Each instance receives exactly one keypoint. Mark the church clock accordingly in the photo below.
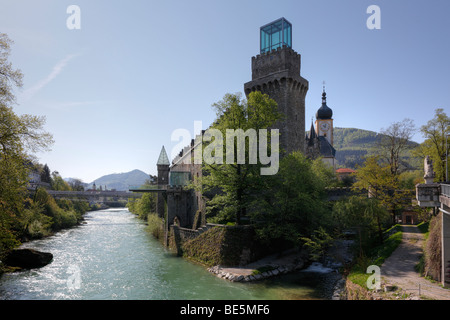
(324, 126)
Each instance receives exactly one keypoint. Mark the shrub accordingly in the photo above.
(154, 225)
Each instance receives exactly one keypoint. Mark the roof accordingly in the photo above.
(326, 149)
(163, 159)
(324, 111)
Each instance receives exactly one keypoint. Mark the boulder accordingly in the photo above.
(28, 258)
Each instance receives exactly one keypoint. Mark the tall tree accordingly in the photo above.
(235, 172)
(436, 133)
(19, 135)
(378, 180)
(45, 174)
(395, 140)
(294, 206)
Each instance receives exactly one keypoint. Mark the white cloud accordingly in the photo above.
(57, 69)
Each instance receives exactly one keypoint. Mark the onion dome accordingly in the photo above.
(324, 112)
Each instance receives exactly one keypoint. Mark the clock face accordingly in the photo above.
(324, 126)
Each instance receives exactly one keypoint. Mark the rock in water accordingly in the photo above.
(28, 258)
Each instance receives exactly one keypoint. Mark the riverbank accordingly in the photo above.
(112, 256)
(338, 255)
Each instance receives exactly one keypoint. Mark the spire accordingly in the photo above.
(312, 134)
(163, 159)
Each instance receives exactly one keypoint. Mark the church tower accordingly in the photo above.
(276, 72)
(324, 120)
(319, 143)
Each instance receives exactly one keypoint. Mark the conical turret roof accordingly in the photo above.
(163, 159)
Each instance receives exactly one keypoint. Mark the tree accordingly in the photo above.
(45, 174)
(435, 145)
(76, 184)
(58, 182)
(19, 136)
(235, 181)
(380, 183)
(395, 140)
(294, 207)
(366, 215)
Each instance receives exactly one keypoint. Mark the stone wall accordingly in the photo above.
(222, 245)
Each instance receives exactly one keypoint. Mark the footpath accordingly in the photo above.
(399, 269)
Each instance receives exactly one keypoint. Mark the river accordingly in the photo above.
(112, 257)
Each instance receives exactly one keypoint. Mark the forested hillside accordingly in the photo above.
(352, 145)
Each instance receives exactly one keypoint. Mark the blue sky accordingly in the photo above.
(115, 90)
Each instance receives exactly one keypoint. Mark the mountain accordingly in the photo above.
(121, 181)
(352, 145)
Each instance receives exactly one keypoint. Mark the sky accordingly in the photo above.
(114, 90)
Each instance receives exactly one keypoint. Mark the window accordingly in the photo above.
(275, 35)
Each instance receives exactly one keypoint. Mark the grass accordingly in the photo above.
(424, 227)
(375, 256)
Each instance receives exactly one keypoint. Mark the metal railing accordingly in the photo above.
(445, 190)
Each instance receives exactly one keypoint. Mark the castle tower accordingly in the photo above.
(163, 179)
(276, 72)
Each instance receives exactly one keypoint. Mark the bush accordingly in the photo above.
(154, 225)
(52, 214)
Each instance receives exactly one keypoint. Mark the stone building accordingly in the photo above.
(276, 72)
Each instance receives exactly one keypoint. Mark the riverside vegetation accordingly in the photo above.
(26, 215)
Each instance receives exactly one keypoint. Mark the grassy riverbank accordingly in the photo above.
(375, 256)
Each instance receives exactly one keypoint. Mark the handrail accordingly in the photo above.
(445, 190)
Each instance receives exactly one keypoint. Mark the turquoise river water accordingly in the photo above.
(112, 257)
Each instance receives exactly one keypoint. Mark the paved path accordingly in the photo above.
(399, 270)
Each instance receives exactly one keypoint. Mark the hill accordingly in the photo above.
(121, 181)
(352, 145)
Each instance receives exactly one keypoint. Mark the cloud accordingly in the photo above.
(57, 69)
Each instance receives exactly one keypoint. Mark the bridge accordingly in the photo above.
(94, 196)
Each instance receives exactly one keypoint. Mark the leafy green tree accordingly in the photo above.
(237, 180)
(377, 179)
(19, 136)
(366, 216)
(45, 174)
(58, 183)
(294, 207)
(144, 206)
(435, 145)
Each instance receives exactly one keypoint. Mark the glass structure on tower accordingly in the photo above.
(276, 34)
